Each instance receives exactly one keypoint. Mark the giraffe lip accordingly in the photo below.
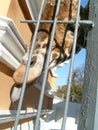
(18, 75)
(34, 71)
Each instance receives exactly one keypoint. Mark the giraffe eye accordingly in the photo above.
(33, 61)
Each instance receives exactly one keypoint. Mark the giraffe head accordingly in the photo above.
(62, 43)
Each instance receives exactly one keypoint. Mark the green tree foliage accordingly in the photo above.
(61, 91)
(76, 86)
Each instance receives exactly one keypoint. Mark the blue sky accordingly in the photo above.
(63, 72)
(84, 2)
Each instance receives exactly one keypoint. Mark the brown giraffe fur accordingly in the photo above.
(62, 43)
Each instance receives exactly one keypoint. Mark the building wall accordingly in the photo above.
(6, 82)
(5, 6)
(12, 9)
(15, 13)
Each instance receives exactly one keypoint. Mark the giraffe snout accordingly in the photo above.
(35, 70)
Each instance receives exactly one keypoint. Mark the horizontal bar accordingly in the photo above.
(59, 21)
(10, 118)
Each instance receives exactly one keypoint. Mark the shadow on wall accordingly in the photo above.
(5, 69)
(31, 99)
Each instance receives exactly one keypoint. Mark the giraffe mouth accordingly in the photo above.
(35, 70)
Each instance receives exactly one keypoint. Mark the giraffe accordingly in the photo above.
(62, 43)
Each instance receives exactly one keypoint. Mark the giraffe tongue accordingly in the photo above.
(34, 71)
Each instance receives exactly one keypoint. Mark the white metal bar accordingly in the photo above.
(47, 65)
(8, 58)
(71, 68)
(10, 41)
(9, 22)
(27, 69)
(59, 21)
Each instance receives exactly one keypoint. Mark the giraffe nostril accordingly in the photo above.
(33, 61)
(44, 45)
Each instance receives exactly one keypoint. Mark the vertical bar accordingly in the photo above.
(27, 69)
(71, 68)
(96, 111)
(89, 108)
(46, 66)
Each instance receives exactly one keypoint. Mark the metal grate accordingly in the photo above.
(55, 21)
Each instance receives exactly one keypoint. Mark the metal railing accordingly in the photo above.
(7, 118)
(55, 21)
